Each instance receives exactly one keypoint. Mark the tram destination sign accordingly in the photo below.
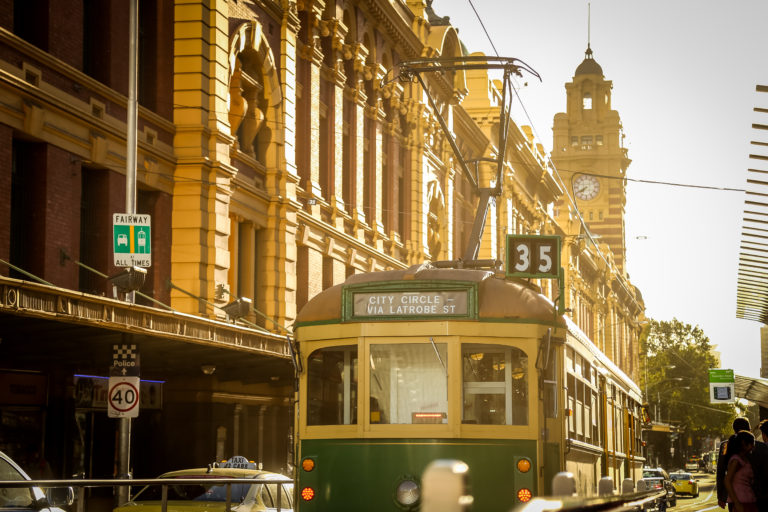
(399, 304)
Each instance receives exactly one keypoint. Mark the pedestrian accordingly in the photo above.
(739, 476)
(759, 461)
(739, 424)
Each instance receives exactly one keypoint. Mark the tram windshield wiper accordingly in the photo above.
(437, 352)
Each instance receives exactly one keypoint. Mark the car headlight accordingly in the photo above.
(407, 492)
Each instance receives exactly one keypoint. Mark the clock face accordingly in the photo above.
(586, 187)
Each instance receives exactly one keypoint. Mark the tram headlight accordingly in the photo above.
(307, 464)
(524, 495)
(407, 492)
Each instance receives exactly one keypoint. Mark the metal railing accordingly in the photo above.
(80, 485)
(638, 501)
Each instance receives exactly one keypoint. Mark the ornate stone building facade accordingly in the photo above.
(277, 155)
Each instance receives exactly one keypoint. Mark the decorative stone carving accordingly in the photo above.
(435, 215)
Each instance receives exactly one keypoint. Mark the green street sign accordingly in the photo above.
(718, 375)
(722, 386)
(131, 240)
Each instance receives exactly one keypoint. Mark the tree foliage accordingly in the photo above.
(675, 381)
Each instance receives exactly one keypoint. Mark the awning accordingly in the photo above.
(752, 389)
(752, 287)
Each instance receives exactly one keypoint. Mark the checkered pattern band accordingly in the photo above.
(123, 352)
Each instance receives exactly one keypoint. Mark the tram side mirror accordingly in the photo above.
(60, 496)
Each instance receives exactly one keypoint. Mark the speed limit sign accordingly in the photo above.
(123, 397)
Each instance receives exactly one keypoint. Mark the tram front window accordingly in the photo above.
(495, 380)
(332, 386)
(409, 383)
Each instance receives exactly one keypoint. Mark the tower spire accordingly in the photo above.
(588, 53)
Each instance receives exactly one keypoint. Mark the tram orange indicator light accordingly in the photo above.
(524, 465)
(308, 464)
(307, 493)
(524, 495)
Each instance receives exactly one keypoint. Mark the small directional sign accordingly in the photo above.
(131, 240)
(123, 397)
(125, 361)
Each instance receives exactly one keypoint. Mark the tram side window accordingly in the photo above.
(332, 386)
(495, 380)
(409, 383)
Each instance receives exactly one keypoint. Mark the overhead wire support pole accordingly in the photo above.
(509, 66)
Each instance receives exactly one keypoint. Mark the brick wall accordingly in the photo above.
(6, 155)
(158, 205)
(309, 275)
(103, 195)
(6, 14)
(65, 31)
(61, 216)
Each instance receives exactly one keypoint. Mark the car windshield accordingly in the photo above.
(680, 476)
(195, 492)
(13, 497)
(650, 473)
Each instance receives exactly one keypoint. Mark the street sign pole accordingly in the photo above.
(130, 207)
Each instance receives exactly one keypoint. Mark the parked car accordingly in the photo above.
(258, 497)
(685, 483)
(657, 478)
(29, 498)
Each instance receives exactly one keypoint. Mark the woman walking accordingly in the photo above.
(739, 476)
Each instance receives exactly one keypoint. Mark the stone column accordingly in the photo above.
(311, 52)
(358, 54)
(279, 275)
(200, 256)
(336, 30)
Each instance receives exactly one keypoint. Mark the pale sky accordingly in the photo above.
(684, 75)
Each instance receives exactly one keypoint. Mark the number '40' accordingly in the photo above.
(129, 396)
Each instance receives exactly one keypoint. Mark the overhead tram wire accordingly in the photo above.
(551, 163)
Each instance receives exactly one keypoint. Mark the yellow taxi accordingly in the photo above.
(199, 497)
(685, 483)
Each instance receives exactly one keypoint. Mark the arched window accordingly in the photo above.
(587, 104)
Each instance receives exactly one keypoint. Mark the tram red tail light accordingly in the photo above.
(524, 495)
(307, 493)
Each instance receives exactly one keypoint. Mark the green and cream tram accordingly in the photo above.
(400, 368)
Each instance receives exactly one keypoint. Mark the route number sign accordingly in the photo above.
(123, 397)
(536, 256)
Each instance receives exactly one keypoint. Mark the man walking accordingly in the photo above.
(759, 460)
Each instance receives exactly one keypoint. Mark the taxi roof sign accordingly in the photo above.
(239, 462)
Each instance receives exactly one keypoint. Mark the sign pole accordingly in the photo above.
(130, 207)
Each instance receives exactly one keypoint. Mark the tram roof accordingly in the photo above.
(498, 298)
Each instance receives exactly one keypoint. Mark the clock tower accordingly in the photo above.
(589, 154)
